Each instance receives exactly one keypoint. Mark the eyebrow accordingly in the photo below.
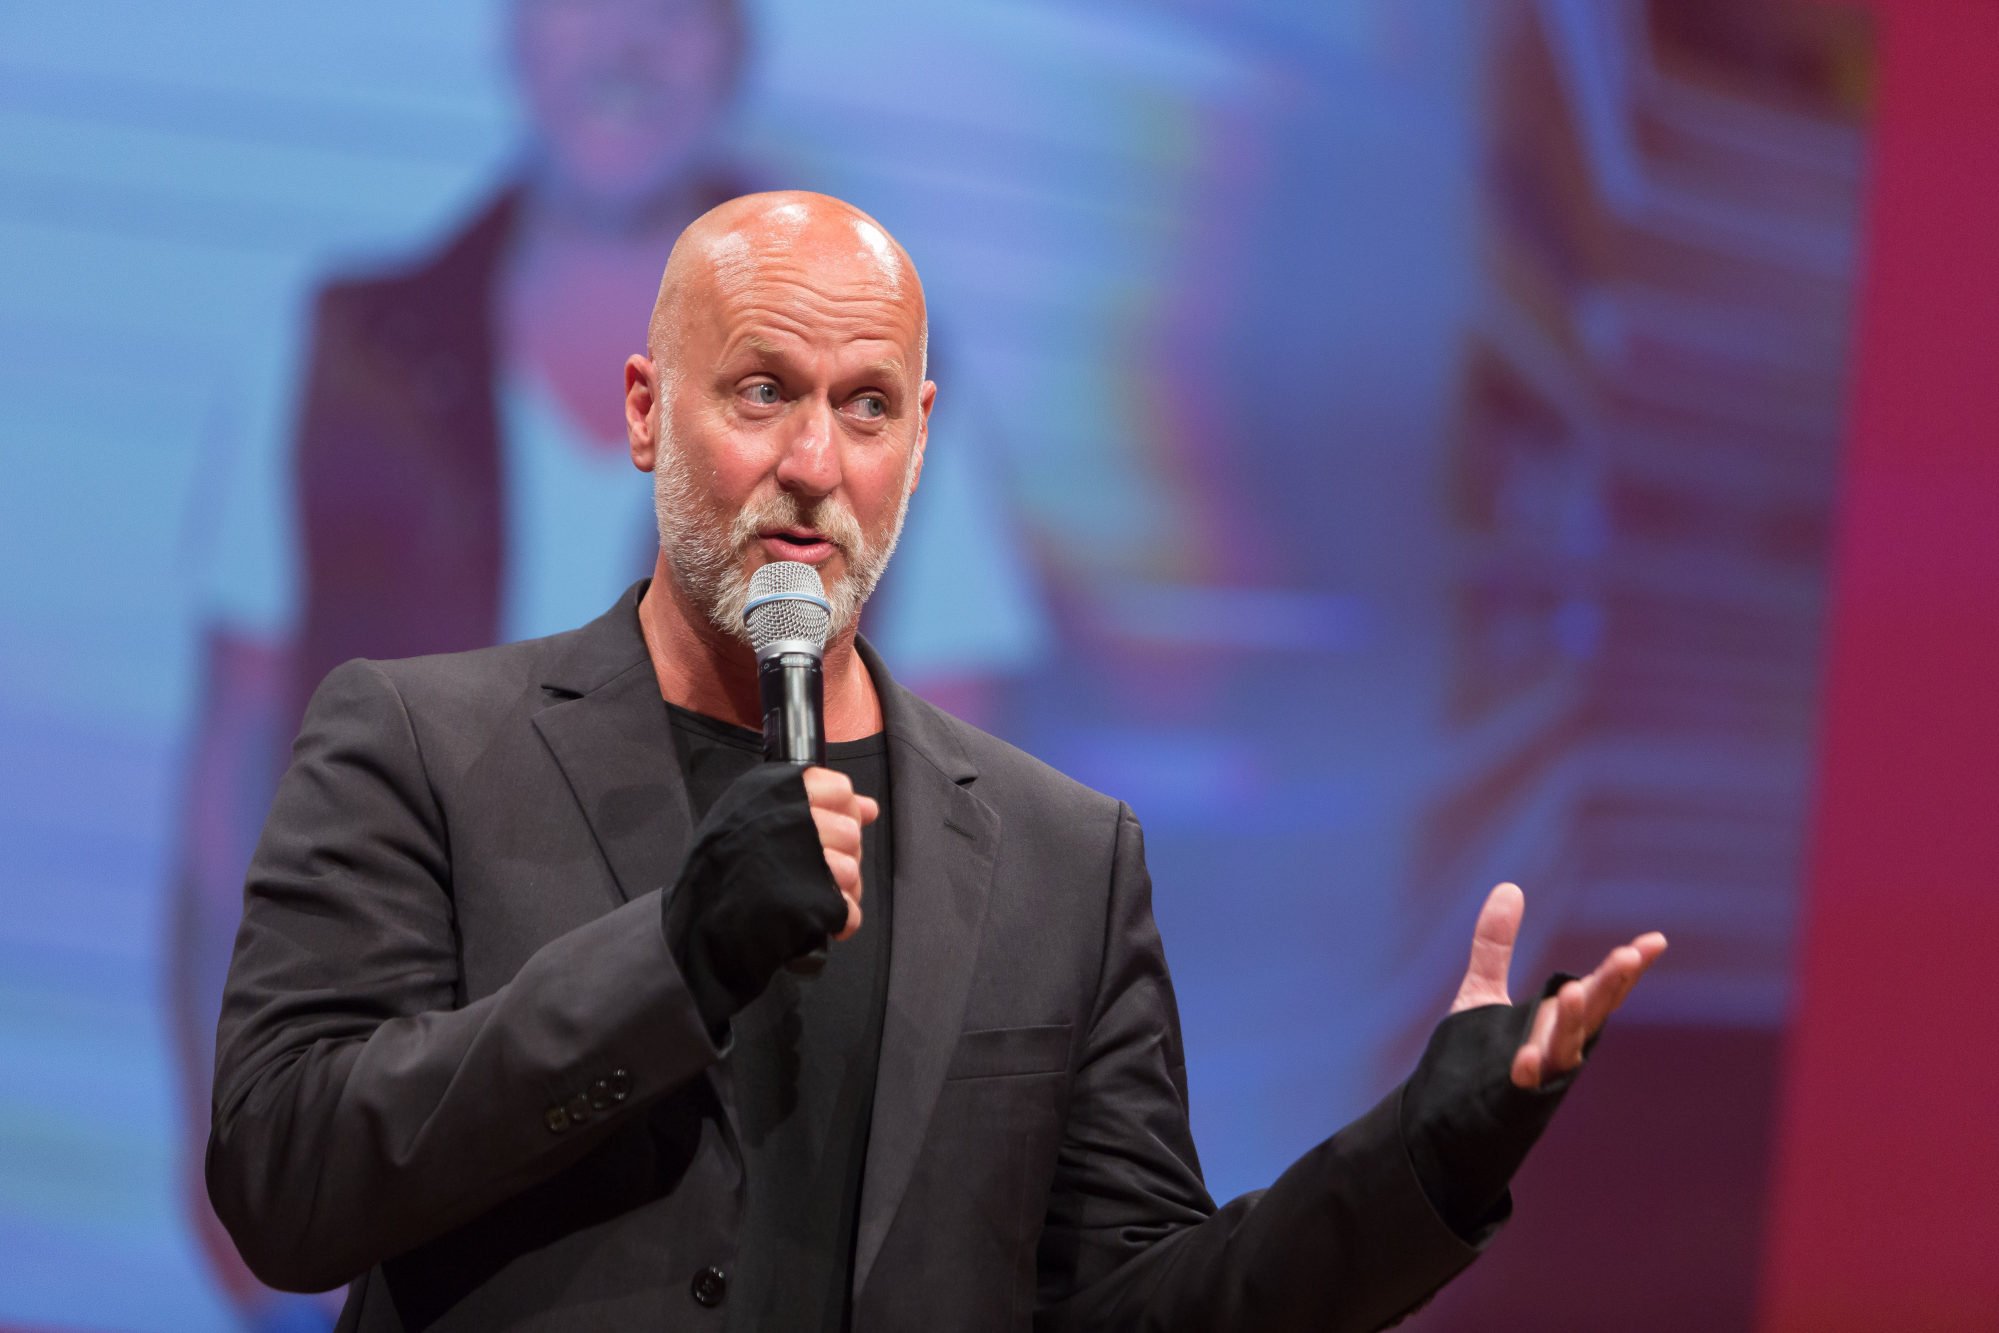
(763, 347)
(889, 369)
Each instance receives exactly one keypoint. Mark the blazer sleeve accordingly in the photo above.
(360, 1108)
(1344, 1240)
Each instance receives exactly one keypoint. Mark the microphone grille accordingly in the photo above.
(787, 601)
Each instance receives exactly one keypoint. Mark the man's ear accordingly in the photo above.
(926, 398)
(641, 417)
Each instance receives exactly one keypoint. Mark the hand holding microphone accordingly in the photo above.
(788, 618)
(840, 813)
(750, 898)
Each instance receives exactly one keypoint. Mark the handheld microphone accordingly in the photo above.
(788, 617)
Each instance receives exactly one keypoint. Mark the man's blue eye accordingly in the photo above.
(764, 395)
(872, 406)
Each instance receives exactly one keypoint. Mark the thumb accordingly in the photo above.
(1492, 948)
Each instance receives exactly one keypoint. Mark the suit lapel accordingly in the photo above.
(945, 842)
(610, 734)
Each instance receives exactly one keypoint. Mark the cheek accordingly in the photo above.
(877, 488)
(734, 469)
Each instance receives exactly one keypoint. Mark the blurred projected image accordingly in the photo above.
(458, 472)
(1393, 446)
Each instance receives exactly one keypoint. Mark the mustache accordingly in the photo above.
(830, 518)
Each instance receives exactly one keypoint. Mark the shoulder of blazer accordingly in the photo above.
(464, 688)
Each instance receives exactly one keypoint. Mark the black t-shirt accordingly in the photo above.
(803, 1065)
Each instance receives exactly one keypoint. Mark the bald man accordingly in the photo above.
(509, 1040)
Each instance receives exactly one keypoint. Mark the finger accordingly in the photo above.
(870, 808)
(1531, 1058)
(847, 875)
(1541, 1035)
(846, 872)
(1492, 948)
(1565, 1047)
(1640, 954)
(853, 920)
(826, 788)
(1619, 972)
(838, 831)
(1605, 988)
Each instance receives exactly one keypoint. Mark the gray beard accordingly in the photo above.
(706, 562)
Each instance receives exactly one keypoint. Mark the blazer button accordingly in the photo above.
(600, 1095)
(579, 1109)
(710, 1287)
(621, 1083)
(556, 1119)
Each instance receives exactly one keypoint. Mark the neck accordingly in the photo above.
(715, 674)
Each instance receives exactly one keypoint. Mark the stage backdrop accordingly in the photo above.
(1392, 445)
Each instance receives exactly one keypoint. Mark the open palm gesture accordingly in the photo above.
(1566, 1019)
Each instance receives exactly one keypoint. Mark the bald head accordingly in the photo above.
(782, 403)
(791, 233)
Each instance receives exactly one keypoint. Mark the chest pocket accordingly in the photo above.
(1010, 1052)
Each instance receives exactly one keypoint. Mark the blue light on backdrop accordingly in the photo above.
(1390, 445)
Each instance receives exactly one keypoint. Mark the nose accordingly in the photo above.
(810, 465)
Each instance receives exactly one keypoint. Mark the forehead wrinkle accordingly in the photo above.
(801, 317)
(757, 339)
(742, 268)
(891, 368)
(858, 316)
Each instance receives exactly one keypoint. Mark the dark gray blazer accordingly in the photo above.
(457, 1065)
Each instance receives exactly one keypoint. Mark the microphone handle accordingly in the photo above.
(793, 693)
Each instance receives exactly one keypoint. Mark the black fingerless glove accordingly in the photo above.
(753, 894)
(1468, 1126)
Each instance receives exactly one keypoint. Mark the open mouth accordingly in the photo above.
(797, 544)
